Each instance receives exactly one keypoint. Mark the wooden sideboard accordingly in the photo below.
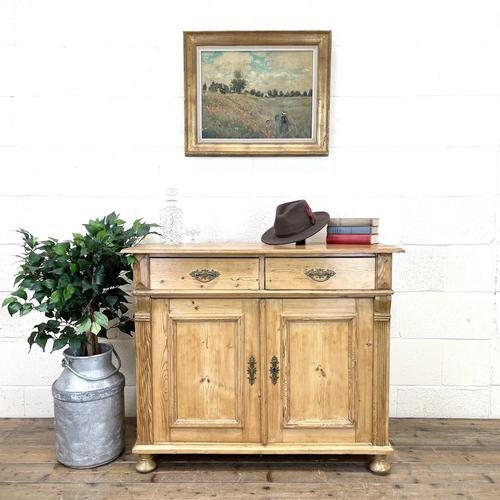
(261, 349)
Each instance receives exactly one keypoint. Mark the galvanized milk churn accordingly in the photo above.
(89, 409)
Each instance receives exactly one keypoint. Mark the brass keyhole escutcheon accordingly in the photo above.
(274, 370)
(252, 370)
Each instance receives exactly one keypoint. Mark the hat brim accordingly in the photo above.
(271, 238)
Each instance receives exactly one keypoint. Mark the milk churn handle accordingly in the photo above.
(66, 364)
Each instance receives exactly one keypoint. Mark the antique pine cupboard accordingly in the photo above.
(260, 349)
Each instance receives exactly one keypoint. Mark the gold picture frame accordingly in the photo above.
(274, 122)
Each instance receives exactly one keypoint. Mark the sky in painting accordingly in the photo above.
(263, 70)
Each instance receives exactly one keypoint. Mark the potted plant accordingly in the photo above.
(78, 285)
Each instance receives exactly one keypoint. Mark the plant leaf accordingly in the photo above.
(31, 339)
(101, 319)
(9, 300)
(50, 283)
(42, 307)
(25, 309)
(95, 328)
(13, 307)
(55, 297)
(126, 326)
(59, 343)
(111, 300)
(61, 248)
(100, 275)
(20, 293)
(69, 291)
(84, 326)
(75, 343)
(41, 340)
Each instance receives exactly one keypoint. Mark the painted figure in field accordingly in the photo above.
(257, 94)
(270, 129)
(283, 125)
(277, 120)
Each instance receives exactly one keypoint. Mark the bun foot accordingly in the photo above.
(145, 464)
(380, 465)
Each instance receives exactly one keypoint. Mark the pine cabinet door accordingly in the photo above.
(319, 381)
(204, 389)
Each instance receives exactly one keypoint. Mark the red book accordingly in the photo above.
(351, 239)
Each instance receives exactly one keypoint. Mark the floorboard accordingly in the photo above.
(434, 458)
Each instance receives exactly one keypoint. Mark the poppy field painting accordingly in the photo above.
(257, 94)
(250, 93)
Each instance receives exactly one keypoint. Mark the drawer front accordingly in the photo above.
(331, 273)
(209, 274)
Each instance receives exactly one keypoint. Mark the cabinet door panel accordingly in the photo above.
(317, 360)
(199, 370)
(322, 393)
(206, 373)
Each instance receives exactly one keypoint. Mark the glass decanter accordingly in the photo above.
(171, 219)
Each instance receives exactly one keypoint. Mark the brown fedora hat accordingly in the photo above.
(294, 221)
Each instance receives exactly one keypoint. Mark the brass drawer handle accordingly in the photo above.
(319, 274)
(274, 370)
(204, 275)
(252, 370)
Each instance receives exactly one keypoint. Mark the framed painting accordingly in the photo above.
(257, 93)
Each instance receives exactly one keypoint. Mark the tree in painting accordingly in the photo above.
(238, 83)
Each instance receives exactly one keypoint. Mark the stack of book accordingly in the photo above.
(346, 231)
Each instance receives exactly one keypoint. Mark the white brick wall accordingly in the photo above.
(91, 120)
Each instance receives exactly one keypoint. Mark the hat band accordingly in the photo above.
(309, 213)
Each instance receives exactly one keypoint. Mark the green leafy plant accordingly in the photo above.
(77, 284)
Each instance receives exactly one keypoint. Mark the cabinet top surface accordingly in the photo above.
(257, 249)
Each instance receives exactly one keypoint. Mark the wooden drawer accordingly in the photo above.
(329, 273)
(210, 274)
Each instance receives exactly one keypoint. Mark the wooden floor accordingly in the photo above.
(434, 459)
